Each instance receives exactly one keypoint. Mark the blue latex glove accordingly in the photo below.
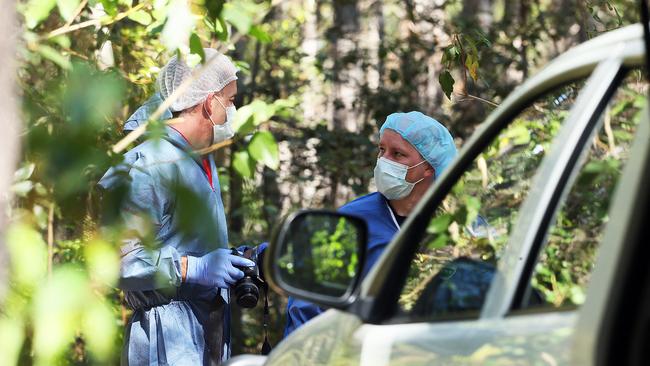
(216, 268)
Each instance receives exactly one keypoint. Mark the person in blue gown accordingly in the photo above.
(177, 282)
(413, 150)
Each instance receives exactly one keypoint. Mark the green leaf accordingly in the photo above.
(58, 308)
(25, 172)
(439, 224)
(214, 8)
(252, 115)
(110, 7)
(12, 333)
(99, 328)
(473, 206)
(103, 262)
(62, 40)
(22, 188)
(236, 14)
(196, 47)
(221, 29)
(471, 63)
(518, 134)
(243, 164)
(264, 148)
(40, 215)
(67, 8)
(54, 56)
(36, 11)
(446, 82)
(141, 17)
(178, 29)
(261, 35)
(439, 242)
(28, 255)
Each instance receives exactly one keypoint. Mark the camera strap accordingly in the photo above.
(266, 346)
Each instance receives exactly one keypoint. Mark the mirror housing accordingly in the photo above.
(318, 256)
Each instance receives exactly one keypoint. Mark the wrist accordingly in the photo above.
(191, 268)
(184, 269)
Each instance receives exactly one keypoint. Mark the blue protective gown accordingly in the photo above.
(382, 227)
(173, 323)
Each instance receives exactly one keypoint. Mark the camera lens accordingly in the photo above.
(246, 293)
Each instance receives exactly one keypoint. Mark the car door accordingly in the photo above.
(515, 318)
(492, 220)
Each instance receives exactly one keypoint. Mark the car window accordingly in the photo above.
(453, 267)
(566, 262)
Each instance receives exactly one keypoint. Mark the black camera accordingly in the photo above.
(247, 289)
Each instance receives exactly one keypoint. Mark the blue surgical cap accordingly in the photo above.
(430, 138)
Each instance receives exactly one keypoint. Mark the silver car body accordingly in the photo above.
(550, 338)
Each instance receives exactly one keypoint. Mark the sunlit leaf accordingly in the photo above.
(110, 7)
(221, 29)
(103, 262)
(58, 307)
(264, 148)
(24, 172)
(178, 28)
(473, 206)
(252, 115)
(54, 56)
(28, 255)
(36, 11)
(141, 17)
(23, 188)
(261, 35)
(439, 224)
(440, 241)
(67, 8)
(471, 63)
(99, 329)
(235, 14)
(41, 216)
(12, 336)
(62, 40)
(243, 164)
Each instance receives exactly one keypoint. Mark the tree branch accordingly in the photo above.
(106, 20)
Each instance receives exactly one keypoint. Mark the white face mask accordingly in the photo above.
(390, 178)
(223, 131)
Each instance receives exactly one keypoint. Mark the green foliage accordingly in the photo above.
(74, 106)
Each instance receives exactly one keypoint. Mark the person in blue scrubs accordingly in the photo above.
(178, 283)
(414, 149)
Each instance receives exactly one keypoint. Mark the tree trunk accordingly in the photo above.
(478, 12)
(313, 103)
(9, 139)
(347, 74)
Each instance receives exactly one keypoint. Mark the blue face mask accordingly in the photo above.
(390, 178)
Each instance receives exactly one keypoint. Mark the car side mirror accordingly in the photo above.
(318, 256)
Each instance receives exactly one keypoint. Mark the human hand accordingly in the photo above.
(216, 268)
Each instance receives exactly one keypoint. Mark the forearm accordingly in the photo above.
(142, 269)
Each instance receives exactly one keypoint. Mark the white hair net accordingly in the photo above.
(219, 72)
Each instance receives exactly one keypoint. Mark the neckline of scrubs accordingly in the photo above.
(205, 163)
(392, 215)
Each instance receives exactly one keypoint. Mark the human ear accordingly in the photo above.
(207, 105)
(429, 171)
